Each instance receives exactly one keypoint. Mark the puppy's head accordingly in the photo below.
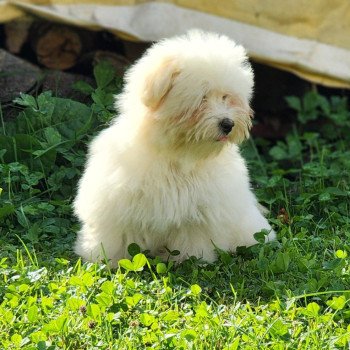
(195, 91)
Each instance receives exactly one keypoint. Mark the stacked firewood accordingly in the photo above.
(43, 53)
(62, 47)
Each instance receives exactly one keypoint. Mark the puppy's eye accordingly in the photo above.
(224, 97)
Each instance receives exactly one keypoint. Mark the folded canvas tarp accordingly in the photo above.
(308, 38)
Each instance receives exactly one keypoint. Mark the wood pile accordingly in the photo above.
(45, 55)
(63, 47)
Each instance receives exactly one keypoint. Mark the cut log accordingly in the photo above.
(16, 33)
(58, 46)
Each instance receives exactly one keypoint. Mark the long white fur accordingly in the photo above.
(163, 175)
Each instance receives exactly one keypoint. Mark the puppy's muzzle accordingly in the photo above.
(226, 125)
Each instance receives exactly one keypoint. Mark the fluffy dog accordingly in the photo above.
(167, 173)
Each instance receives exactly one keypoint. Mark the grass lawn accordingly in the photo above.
(290, 294)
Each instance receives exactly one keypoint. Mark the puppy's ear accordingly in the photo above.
(159, 82)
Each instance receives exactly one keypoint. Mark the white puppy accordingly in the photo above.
(167, 173)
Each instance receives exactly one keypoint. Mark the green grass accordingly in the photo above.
(290, 294)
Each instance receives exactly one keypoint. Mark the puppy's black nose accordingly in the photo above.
(226, 125)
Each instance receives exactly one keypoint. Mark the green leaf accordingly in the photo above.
(278, 152)
(104, 73)
(293, 102)
(62, 261)
(324, 104)
(260, 236)
(161, 268)
(83, 87)
(333, 264)
(94, 311)
(337, 191)
(324, 197)
(196, 289)
(88, 279)
(337, 303)
(279, 329)
(16, 339)
(147, 319)
(281, 262)
(311, 101)
(72, 119)
(32, 313)
(202, 310)
(126, 264)
(294, 146)
(6, 316)
(26, 100)
(36, 337)
(234, 345)
(171, 316)
(108, 287)
(56, 326)
(134, 249)
(103, 99)
(18, 147)
(74, 303)
(104, 300)
(263, 263)
(139, 261)
(313, 309)
(61, 323)
(52, 136)
(47, 303)
(175, 252)
(133, 300)
(341, 254)
(41, 345)
(3, 265)
(6, 210)
(22, 218)
(46, 104)
(189, 334)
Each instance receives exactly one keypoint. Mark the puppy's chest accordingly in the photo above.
(167, 199)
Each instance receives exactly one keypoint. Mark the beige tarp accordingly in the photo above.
(308, 37)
